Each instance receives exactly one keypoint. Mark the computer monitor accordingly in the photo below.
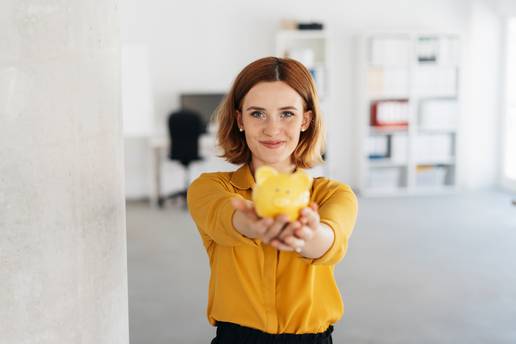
(203, 103)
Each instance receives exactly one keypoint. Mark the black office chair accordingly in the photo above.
(184, 128)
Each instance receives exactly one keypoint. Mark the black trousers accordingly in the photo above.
(229, 333)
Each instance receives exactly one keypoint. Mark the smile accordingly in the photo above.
(272, 144)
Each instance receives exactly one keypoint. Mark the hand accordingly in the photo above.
(299, 232)
(248, 223)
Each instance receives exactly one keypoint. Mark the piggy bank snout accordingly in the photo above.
(281, 202)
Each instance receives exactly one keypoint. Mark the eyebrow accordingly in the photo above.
(262, 109)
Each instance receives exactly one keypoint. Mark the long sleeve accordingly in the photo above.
(338, 209)
(255, 285)
(209, 202)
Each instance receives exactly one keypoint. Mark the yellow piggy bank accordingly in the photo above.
(278, 193)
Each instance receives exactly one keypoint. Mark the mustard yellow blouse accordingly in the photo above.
(255, 285)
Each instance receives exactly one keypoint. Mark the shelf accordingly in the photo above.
(387, 96)
(436, 131)
(437, 97)
(432, 190)
(433, 95)
(435, 162)
(387, 66)
(385, 163)
(408, 192)
(384, 192)
(387, 130)
(424, 150)
(301, 34)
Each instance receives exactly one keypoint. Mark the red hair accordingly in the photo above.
(311, 142)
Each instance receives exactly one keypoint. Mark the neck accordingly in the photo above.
(280, 167)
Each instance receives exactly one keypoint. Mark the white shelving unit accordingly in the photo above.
(311, 48)
(408, 103)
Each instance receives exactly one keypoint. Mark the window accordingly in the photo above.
(509, 158)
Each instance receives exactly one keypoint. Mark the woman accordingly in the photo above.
(271, 280)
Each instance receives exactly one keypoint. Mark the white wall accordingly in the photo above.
(506, 9)
(201, 45)
(63, 254)
(479, 144)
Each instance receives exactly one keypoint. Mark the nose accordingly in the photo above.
(272, 127)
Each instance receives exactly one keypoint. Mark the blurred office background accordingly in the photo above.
(418, 99)
(419, 102)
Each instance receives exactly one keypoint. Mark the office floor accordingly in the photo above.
(438, 269)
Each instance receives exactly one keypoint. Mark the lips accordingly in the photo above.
(272, 143)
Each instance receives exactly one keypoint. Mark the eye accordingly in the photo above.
(288, 192)
(257, 114)
(277, 189)
(287, 114)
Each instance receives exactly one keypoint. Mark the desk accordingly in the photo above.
(159, 147)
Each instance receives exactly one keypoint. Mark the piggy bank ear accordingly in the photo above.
(263, 173)
(302, 179)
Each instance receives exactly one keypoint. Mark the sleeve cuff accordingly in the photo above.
(227, 212)
(336, 251)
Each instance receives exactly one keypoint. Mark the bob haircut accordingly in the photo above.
(311, 141)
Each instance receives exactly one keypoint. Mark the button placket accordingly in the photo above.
(269, 287)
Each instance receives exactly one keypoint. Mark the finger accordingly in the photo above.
(295, 243)
(237, 203)
(245, 206)
(303, 219)
(275, 228)
(289, 230)
(312, 217)
(240, 204)
(304, 233)
(281, 246)
(260, 227)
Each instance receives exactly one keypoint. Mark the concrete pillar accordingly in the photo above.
(63, 266)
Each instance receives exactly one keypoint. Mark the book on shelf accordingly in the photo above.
(392, 148)
(427, 48)
(431, 175)
(390, 113)
(409, 96)
(433, 49)
(377, 147)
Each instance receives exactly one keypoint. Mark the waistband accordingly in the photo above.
(229, 332)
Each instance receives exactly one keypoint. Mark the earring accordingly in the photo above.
(241, 129)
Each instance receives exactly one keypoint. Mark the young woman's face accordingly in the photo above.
(273, 117)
